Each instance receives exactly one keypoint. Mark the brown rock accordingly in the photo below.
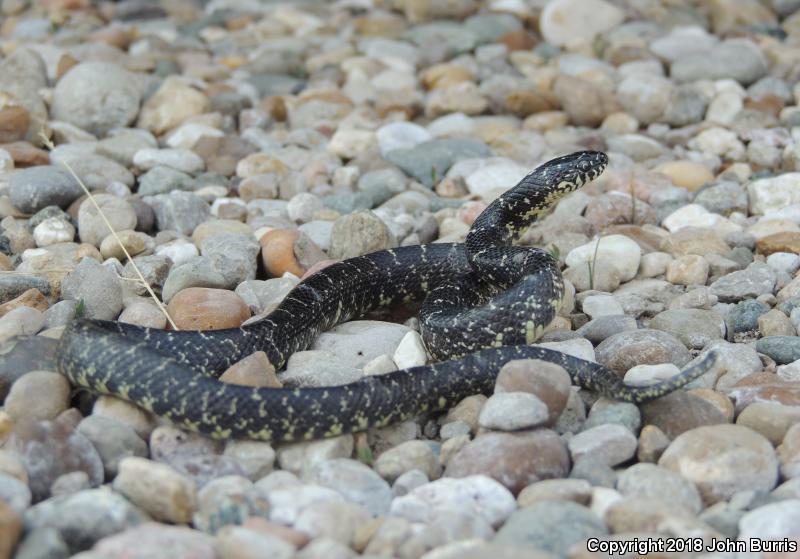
(694, 240)
(770, 419)
(14, 120)
(514, 459)
(526, 102)
(586, 103)
(644, 514)
(38, 395)
(26, 154)
(548, 381)
(467, 410)
(786, 241)
(519, 39)
(5, 263)
(652, 443)
(688, 174)
(441, 76)
(253, 370)
(577, 490)
(732, 15)
(30, 298)
(277, 252)
(764, 387)
(65, 64)
(789, 453)
(612, 209)
(679, 412)
(722, 460)
(264, 526)
(10, 529)
(204, 308)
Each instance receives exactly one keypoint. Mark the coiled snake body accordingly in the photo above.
(486, 300)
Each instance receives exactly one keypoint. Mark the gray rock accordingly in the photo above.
(42, 543)
(162, 180)
(757, 279)
(14, 285)
(123, 144)
(609, 443)
(654, 482)
(391, 178)
(429, 161)
(355, 481)
(23, 74)
(774, 521)
(441, 40)
(598, 329)
(97, 286)
(178, 210)
(113, 440)
(687, 106)
(416, 456)
(694, 327)
(551, 526)
(84, 518)
(92, 226)
(198, 272)
(782, 349)
(96, 171)
(723, 198)
(511, 411)
(641, 347)
(97, 96)
(744, 315)
(738, 59)
(606, 412)
(263, 294)
(60, 313)
(35, 188)
(233, 255)
(596, 472)
(488, 27)
(357, 234)
(154, 268)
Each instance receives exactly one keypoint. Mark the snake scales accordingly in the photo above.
(485, 302)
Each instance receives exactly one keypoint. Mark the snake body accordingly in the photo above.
(485, 301)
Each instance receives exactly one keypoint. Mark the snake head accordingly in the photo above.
(577, 169)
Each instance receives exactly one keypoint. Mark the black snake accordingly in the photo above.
(485, 301)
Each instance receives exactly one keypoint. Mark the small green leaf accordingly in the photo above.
(80, 309)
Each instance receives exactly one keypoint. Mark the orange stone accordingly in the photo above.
(277, 252)
(14, 123)
(204, 308)
(25, 154)
(253, 370)
(518, 40)
(31, 298)
(317, 266)
(786, 241)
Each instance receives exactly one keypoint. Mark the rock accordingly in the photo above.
(44, 543)
(429, 161)
(22, 321)
(183, 160)
(162, 180)
(615, 251)
(773, 521)
(721, 460)
(775, 323)
(738, 59)
(645, 96)
(550, 383)
(654, 482)
(406, 457)
(771, 419)
(35, 188)
(689, 269)
(400, 135)
(173, 103)
(757, 279)
(628, 349)
(782, 349)
(515, 460)
(357, 234)
(551, 526)
(202, 308)
(511, 411)
(238, 542)
(586, 103)
(113, 441)
(771, 194)
(233, 255)
(158, 541)
(295, 456)
(157, 489)
(610, 444)
(744, 315)
(354, 481)
(576, 490)
(198, 272)
(97, 96)
(475, 495)
(97, 286)
(86, 517)
(686, 174)
(91, 225)
(696, 328)
(567, 21)
(38, 395)
(182, 211)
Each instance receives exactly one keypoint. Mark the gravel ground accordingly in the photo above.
(237, 146)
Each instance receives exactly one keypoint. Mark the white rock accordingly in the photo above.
(774, 193)
(360, 341)
(790, 212)
(179, 251)
(784, 261)
(644, 375)
(654, 264)
(180, 159)
(609, 443)
(410, 352)
(577, 347)
(564, 21)
(492, 180)
(389, 51)
(477, 495)
(53, 230)
(303, 206)
(683, 41)
(773, 521)
(6, 161)
(724, 108)
(381, 365)
(720, 142)
(156, 488)
(511, 411)
(602, 500)
(256, 458)
(617, 251)
(293, 457)
(22, 321)
(187, 135)
(400, 135)
(347, 144)
(288, 503)
(454, 124)
(602, 305)
(695, 215)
